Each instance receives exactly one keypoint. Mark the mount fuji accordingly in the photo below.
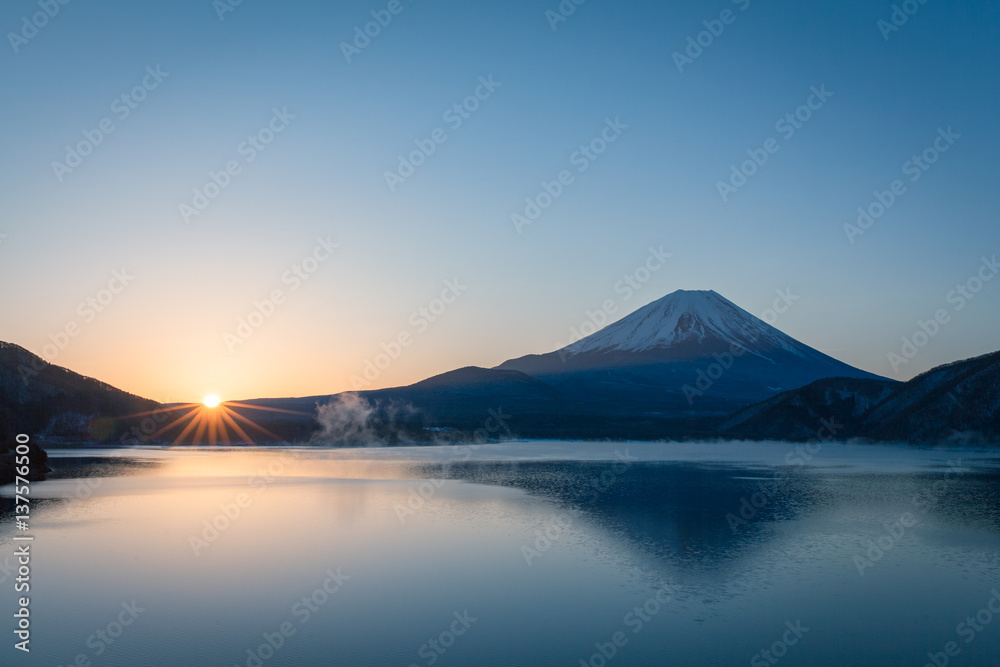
(675, 368)
(689, 353)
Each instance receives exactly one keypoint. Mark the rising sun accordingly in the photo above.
(212, 421)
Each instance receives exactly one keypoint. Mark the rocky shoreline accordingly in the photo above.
(37, 462)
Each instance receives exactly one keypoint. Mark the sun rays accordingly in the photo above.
(214, 422)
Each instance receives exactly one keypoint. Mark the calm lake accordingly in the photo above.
(525, 553)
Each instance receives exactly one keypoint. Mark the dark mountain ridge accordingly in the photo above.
(954, 403)
(50, 402)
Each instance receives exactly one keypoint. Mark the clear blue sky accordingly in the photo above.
(164, 334)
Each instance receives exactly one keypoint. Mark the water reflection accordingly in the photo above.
(699, 516)
(219, 547)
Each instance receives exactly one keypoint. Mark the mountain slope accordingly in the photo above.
(955, 402)
(689, 353)
(47, 401)
(961, 399)
(836, 403)
(686, 317)
(463, 400)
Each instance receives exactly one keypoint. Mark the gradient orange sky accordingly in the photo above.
(345, 125)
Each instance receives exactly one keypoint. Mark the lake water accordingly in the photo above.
(528, 553)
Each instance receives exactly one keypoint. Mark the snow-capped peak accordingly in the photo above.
(687, 316)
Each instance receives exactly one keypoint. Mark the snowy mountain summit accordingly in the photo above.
(696, 317)
(691, 351)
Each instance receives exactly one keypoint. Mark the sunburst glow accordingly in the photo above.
(212, 422)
